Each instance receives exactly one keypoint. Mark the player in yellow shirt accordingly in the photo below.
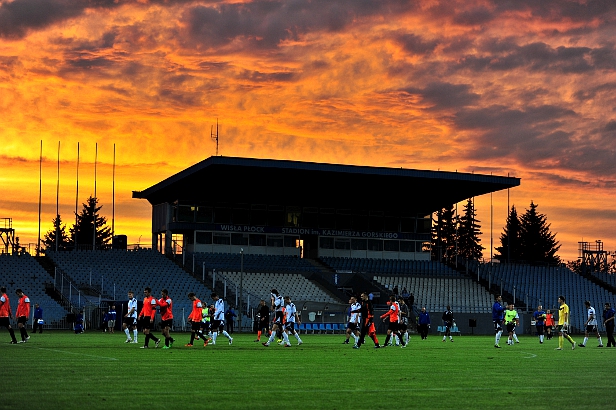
(563, 324)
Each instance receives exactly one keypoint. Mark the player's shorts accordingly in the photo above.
(205, 326)
(145, 323)
(510, 327)
(218, 325)
(591, 328)
(111, 323)
(561, 328)
(402, 327)
(352, 326)
(447, 325)
(195, 326)
(129, 321)
(498, 326)
(393, 326)
(279, 318)
(166, 323)
(263, 324)
(5, 322)
(22, 319)
(540, 329)
(290, 326)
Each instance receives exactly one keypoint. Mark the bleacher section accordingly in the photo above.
(463, 294)
(389, 266)
(294, 285)
(130, 270)
(535, 284)
(24, 272)
(252, 263)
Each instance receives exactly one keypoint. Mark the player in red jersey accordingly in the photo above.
(146, 317)
(165, 303)
(195, 318)
(23, 313)
(6, 314)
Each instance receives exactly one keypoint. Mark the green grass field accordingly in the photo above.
(61, 370)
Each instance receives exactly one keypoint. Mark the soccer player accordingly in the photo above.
(392, 314)
(277, 305)
(263, 314)
(423, 323)
(130, 318)
(23, 313)
(146, 317)
(563, 323)
(111, 318)
(291, 318)
(354, 321)
(497, 318)
(218, 321)
(403, 321)
(6, 314)
(448, 322)
(591, 325)
(194, 318)
(608, 322)
(166, 314)
(549, 323)
(206, 323)
(367, 325)
(539, 317)
(511, 321)
(38, 319)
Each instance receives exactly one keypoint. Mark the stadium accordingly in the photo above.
(238, 227)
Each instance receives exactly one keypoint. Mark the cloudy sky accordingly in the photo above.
(509, 87)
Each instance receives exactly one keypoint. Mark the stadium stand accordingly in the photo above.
(24, 272)
(252, 263)
(389, 266)
(542, 285)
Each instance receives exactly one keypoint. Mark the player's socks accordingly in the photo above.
(127, 333)
(258, 335)
(585, 340)
(515, 337)
(560, 342)
(298, 338)
(387, 339)
(285, 338)
(271, 338)
(12, 333)
(356, 338)
(569, 339)
(541, 338)
(214, 336)
(192, 338)
(135, 333)
(600, 341)
(225, 334)
(147, 340)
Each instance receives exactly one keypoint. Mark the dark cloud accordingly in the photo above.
(415, 44)
(559, 10)
(259, 77)
(474, 16)
(443, 95)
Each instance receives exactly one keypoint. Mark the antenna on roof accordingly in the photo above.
(215, 137)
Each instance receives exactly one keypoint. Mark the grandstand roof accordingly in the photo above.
(232, 179)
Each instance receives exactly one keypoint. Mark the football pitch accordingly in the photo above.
(61, 370)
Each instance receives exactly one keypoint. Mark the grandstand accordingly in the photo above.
(534, 285)
(23, 271)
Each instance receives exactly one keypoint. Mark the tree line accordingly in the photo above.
(525, 239)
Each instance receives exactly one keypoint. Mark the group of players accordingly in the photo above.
(545, 321)
(22, 314)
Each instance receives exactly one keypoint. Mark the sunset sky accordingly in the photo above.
(524, 88)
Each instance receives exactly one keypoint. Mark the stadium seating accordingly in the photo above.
(389, 266)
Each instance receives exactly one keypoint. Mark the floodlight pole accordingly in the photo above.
(241, 285)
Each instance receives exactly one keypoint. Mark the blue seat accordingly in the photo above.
(301, 327)
(329, 328)
(308, 327)
(321, 327)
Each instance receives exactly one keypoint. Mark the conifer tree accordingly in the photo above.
(469, 243)
(444, 235)
(84, 226)
(537, 243)
(509, 251)
(57, 233)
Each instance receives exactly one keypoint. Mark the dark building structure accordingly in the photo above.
(275, 207)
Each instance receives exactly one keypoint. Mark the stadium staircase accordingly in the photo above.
(50, 288)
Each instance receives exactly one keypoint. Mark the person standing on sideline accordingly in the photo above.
(498, 314)
(230, 316)
(111, 318)
(608, 322)
(218, 321)
(263, 314)
(353, 324)
(38, 319)
(130, 318)
(423, 323)
(549, 324)
(6, 314)
(591, 325)
(563, 324)
(146, 317)
(23, 313)
(166, 315)
(195, 318)
(448, 323)
(367, 319)
(511, 321)
(539, 316)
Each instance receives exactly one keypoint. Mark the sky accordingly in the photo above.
(523, 88)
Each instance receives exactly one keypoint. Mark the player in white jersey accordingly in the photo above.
(277, 302)
(591, 325)
(291, 318)
(130, 318)
(354, 324)
(218, 321)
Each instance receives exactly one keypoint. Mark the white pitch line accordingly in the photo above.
(78, 354)
(532, 356)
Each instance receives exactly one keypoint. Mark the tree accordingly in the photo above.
(57, 233)
(509, 251)
(469, 243)
(537, 243)
(83, 227)
(444, 234)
